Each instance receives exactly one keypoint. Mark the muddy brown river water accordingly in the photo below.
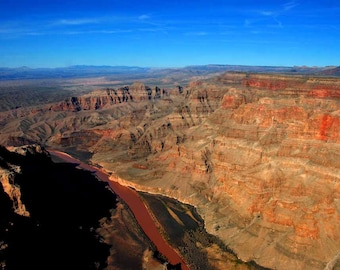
(137, 206)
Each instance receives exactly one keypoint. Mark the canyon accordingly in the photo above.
(257, 155)
(136, 205)
(57, 209)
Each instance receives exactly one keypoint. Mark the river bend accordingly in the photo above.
(136, 205)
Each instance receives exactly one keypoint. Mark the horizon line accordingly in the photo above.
(171, 67)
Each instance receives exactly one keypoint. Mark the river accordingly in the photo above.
(137, 206)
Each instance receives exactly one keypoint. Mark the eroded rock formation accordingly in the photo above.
(257, 154)
(259, 159)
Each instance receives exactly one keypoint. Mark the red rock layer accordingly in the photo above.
(257, 154)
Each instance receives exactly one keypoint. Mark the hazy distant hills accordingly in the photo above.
(331, 71)
(66, 72)
(81, 71)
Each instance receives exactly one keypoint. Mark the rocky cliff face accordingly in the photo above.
(259, 157)
(109, 97)
(257, 154)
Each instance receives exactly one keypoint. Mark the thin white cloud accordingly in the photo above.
(65, 26)
(144, 17)
(247, 23)
(34, 33)
(290, 5)
(269, 18)
(267, 13)
(17, 32)
(77, 21)
(118, 31)
(199, 33)
(150, 29)
(278, 22)
(11, 31)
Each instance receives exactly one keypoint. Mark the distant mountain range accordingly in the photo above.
(331, 72)
(81, 71)
(66, 72)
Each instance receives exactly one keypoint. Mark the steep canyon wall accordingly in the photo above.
(257, 154)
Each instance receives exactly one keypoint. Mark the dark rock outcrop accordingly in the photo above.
(55, 216)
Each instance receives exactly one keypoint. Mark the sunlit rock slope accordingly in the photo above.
(257, 154)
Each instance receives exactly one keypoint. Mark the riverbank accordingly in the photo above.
(140, 211)
(177, 223)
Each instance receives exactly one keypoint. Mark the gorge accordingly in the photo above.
(256, 154)
(138, 208)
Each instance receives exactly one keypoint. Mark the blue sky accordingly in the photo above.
(51, 33)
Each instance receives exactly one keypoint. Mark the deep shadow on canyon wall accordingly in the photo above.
(55, 216)
(64, 205)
